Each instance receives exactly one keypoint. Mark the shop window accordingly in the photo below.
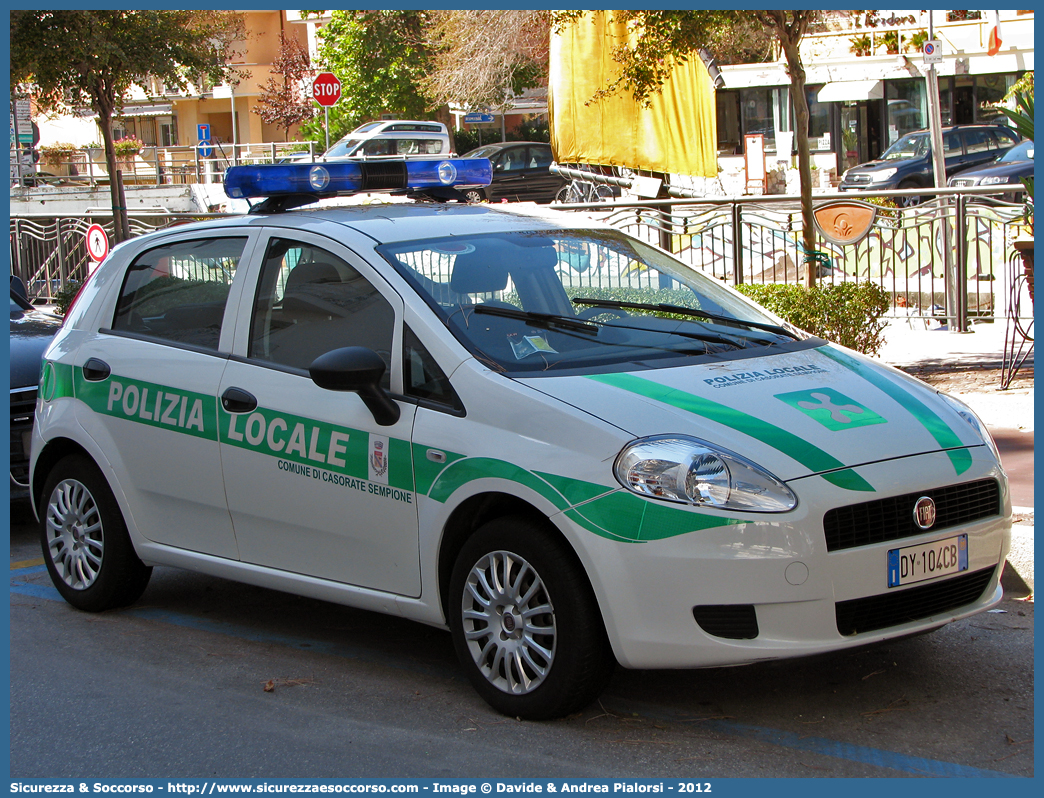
(818, 121)
(763, 111)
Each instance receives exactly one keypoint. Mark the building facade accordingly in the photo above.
(866, 86)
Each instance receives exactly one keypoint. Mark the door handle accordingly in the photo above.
(236, 400)
(95, 370)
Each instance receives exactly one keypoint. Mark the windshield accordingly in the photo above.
(481, 152)
(343, 147)
(915, 145)
(554, 300)
(1020, 152)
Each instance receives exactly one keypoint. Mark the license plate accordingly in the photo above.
(927, 561)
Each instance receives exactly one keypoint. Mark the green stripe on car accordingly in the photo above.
(957, 450)
(809, 455)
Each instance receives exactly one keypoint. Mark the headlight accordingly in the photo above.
(969, 415)
(884, 174)
(677, 468)
(989, 181)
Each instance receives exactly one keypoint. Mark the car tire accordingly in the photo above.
(525, 623)
(911, 201)
(474, 195)
(86, 547)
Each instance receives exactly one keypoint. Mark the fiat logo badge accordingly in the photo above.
(924, 512)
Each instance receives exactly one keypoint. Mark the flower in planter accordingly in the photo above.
(127, 148)
(57, 154)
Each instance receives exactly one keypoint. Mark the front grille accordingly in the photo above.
(963, 181)
(23, 405)
(858, 179)
(893, 518)
(913, 604)
(732, 621)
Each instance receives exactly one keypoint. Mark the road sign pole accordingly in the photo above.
(955, 316)
(326, 112)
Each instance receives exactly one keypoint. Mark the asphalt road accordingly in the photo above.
(1016, 450)
(175, 687)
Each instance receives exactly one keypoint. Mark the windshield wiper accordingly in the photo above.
(701, 314)
(550, 321)
(546, 321)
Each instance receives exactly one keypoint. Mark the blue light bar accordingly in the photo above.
(353, 177)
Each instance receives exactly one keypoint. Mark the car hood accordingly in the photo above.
(1014, 168)
(873, 166)
(820, 411)
(31, 332)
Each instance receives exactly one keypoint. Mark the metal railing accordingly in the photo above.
(946, 259)
(161, 165)
(734, 239)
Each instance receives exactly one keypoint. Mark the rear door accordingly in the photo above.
(151, 378)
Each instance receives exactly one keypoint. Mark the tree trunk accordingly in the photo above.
(789, 39)
(118, 211)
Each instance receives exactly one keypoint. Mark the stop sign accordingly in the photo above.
(326, 89)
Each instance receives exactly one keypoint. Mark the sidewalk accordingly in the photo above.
(1009, 414)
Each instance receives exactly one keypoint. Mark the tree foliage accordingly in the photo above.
(92, 58)
(381, 58)
(285, 101)
(481, 58)
(663, 38)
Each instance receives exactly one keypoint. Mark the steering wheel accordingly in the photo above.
(592, 312)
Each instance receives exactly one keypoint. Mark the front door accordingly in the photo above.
(315, 486)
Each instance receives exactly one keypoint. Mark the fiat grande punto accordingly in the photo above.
(558, 442)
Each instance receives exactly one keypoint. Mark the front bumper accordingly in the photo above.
(693, 600)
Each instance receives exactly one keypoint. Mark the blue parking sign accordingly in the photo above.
(203, 134)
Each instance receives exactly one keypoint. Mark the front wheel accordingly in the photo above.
(474, 195)
(911, 201)
(525, 624)
(86, 548)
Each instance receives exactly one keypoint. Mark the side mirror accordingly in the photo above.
(358, 370)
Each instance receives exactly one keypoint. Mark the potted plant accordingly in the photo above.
(916, 42)
(861, 44)
(890, 41)
(58, 156)
(127, 149)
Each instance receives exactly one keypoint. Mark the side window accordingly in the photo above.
(951, 145)
(379, 147)
(178, 291)
(1004, 138)
(540, 157)
(977, 140)
(309, 302)
(422, 376)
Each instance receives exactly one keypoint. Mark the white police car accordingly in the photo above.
(559, 442)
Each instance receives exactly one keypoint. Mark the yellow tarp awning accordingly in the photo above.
(677, 133)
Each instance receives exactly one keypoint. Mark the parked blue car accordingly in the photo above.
(907, 164)
(1010, 168)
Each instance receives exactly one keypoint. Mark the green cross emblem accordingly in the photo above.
(833, 410)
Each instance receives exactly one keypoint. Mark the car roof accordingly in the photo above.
(500, 145)
(392, 222)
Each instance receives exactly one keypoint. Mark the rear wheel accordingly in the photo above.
(86, 547)
(525, 624)
(474, 195)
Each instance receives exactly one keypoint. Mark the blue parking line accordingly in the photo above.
(890, 760)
